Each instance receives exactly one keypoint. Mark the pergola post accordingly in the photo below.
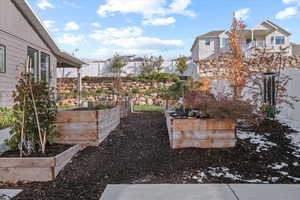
(79, 87)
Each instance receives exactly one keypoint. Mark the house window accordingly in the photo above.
(279, 40)
(269, 92)
(33, 56)
(2, 59)
(248, 41)
(207, 42)
(225, 42)
(45, 67)
(272, 40)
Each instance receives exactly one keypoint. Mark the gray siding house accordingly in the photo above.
(23, 36)
(266, 35)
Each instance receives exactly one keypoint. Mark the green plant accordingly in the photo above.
(181, 65)
(269, 111)
(98, 107)
(135, 90)
(148, 108)
(64, 106)
(116, 66)
(151, 65)
(35, 113)
(6, 118)
(100, 91)
(157, 76)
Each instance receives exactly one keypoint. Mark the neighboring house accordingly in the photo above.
(23, 36)
(100, 68)
(264, 35)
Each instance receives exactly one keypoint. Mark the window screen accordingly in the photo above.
(33, 56)
(2, 59)
(45, 67)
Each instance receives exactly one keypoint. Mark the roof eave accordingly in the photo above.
(33, 19)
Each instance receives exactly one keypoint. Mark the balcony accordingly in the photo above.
(248, 48)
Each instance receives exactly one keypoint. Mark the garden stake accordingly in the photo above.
(23, 113)
(37, 118)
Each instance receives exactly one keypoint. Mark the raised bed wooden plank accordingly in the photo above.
(77, 131)
(13, 175)
(76, 116)
(203, 143)
(220, 124)
(204, 134)
(188, 124)
(27, 162)
(64, 158)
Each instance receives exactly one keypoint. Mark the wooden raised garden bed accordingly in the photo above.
(201, 133)
(33, 169)
(86, 127)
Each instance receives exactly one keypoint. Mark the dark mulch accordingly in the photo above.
(139, 152)
(51, 150)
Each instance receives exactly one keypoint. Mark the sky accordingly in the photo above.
(98, 29)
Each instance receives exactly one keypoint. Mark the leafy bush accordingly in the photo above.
(35, 112)
(98, 107)
(157, 76)
(135, 90)
(6, 118)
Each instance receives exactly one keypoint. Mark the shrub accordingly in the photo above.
(222, 108)
(135, 90)
(35, 112)
(6, 118)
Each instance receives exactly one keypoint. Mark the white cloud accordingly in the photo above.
(144, 7)
(129, 40)
(70, 39)
(44, 4)
(112, 33)
(70, 3)
(71, 26)
(180, 6)
(242, 13)
(95, 24)
(159, 21)
(144, 43)
(147, 8)
(291, 1)
(287, 13)
(50, 25)
(108, 52)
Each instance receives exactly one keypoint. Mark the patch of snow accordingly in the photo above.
(284, 173)
(296, 164)
(278, 165)
(274, 179)
(294, 178)
(223, 172)
(260, 140)
(253, 181)
(200, 177)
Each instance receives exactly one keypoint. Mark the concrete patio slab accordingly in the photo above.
(168, 192)
(7, 194)
(266, 192)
